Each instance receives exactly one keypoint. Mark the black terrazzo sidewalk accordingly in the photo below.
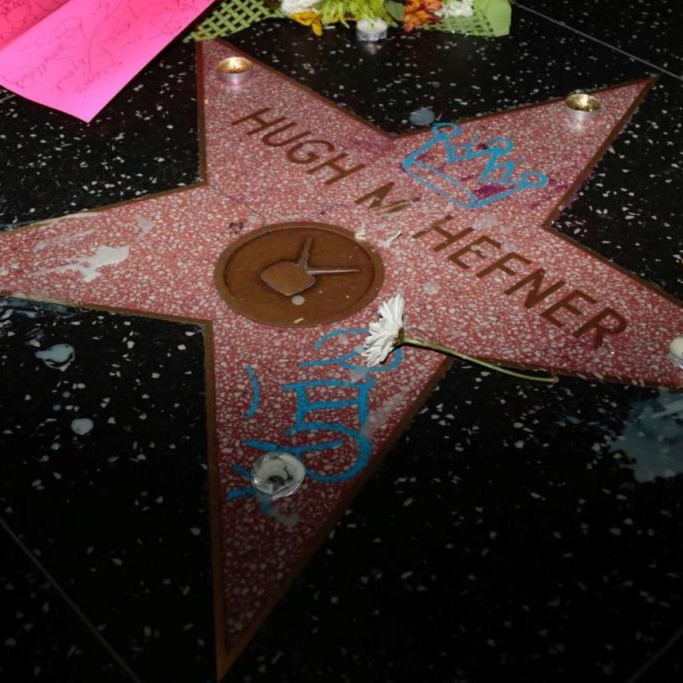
(512, 534)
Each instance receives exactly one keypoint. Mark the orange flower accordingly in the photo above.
(418, 12)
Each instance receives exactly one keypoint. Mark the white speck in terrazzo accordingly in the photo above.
(82, 425)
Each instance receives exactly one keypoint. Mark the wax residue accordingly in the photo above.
(653, 437)
(58, 356)
(88, 266)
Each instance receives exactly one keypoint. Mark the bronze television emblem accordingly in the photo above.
(298, 274)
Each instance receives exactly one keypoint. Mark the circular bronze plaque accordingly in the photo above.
(298, 274)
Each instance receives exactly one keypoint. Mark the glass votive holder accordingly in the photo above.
(235, 70)
(277, 475)
(676, 351)
(581, 108)
(371, 30)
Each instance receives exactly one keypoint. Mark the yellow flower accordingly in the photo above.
(310, 18)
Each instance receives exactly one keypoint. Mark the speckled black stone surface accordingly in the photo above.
(515, 533)
(52, 164)
(648, 30)
(41, 638)
(460, 77)
(456, 76)
(629, 210)
(104, 473)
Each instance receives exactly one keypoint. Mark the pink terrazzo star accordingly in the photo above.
(494, 281)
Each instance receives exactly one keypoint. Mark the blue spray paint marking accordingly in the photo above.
(298, 451)
(304, 406)
(255, 392)
(344, 359)
(495, 182)
(313, 396)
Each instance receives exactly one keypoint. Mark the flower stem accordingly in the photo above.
(421, 343)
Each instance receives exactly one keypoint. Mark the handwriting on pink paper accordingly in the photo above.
(83, 52)
(17, 16)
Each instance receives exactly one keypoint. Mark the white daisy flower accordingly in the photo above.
(386, 333)
(457, 8)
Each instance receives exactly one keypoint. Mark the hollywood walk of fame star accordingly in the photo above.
(497, 281)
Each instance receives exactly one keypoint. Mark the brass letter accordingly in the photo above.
(436, 226)
(380, 194)
(307, 156)
(256, 116)
(565, 302)
(267, 138)
(601, 330)
(535, 295)
(341, 172)
(500, 264)
(455, 257)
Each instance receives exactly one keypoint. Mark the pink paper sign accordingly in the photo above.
(17, 16)
(77, 57)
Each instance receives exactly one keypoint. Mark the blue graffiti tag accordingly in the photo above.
(444, 167)
(312, 398)
(255, 392)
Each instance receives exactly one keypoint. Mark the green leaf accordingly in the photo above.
(395, 9)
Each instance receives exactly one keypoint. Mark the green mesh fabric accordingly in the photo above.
(232, 16)
(490, 18)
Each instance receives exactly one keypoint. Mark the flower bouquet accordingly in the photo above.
(470, 17)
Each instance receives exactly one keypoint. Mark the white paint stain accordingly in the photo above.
(652, 439)
(144, 224)
(288, 521)
(82, 425)
(61, 239)
(485, 222)
(58, 356)
(378, 418)
(88, 266)
(386, 243)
